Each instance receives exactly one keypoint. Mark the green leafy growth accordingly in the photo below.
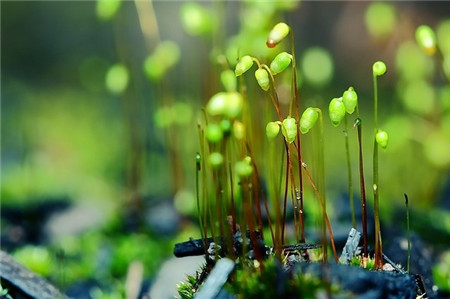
(357, 262)
(441, 272)
(186, 288)
(254, 284)
(4, 293)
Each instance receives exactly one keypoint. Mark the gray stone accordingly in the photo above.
(75, 220)
(216, 279)
(350, 246)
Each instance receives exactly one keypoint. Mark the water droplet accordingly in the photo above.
(297, 195)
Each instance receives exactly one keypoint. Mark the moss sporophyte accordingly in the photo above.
(233, 204)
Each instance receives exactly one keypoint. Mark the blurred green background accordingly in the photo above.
(100, 103)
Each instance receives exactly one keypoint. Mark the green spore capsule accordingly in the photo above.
(244, 168)
(382, 138)
(426, 38)
(213, 133)
(234, 103)
(280, 62)
(272, 129)
(379, 68)
(308, 119)
(238, 130)
(228, 80)
(217, 104)
(226, 126)
(289, 129)
(350, 99)
(277, 34)
(336, 111)
(215, 159)
(244, 64)
(262, 76)
(196, 19)
(117, 78)
(198, 160)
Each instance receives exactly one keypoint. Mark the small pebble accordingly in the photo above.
(388, 267)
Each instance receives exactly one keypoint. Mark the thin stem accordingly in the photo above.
(349, 173)
(229, 232)
(280, 222)
(285, 191)
(378, 241)
(273, 94)
(327, 221)
(233, 208)
(297, 118)
(321, 180)
(293, 192)
(375, 101)
(219, 204)
(197, 193)
(266, 207)
(358, 124)
(376, 201)
(248, 211)
(408, 233)
(204, 189)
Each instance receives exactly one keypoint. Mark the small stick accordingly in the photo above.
(408, 232)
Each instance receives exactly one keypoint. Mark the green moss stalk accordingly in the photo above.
(358, 124)
(349, 173)
(378, 69)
